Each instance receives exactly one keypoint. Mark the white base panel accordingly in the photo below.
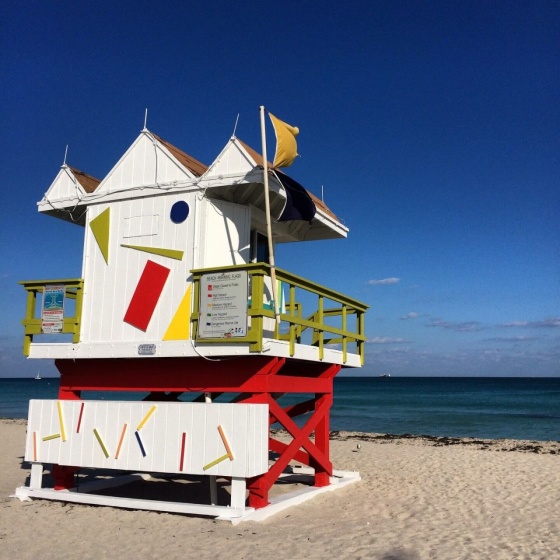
(281, 503)
(25, 493)
(224, 513)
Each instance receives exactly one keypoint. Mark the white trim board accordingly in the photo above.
(236, 513)
(188, 349)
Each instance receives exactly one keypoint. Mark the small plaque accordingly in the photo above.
(146, 349)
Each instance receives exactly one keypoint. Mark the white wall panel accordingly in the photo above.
(215, 233)
(225, 235)
(245, 427)
(109, 288)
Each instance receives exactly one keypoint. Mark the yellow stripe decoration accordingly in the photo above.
(214, 463)
(104, 449)
(161, 251)
(53, 436)
(61, 420)
(180, 326)
(146, 418)
(100, 229)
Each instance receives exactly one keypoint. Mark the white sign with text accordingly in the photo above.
(223, 305)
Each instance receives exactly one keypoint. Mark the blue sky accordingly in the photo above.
(433, 127)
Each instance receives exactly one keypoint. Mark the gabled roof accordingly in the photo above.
(255, 155)
(150, 162)
(64, 198)
(148, 157)
(188, 161)
(235, 175)
(259, 160)
(88, 182)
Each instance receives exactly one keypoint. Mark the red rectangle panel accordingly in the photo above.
(147, 293)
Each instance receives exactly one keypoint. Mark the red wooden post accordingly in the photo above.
(322, 440)
(63, 476)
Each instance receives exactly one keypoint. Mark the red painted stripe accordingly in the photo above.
(147, 293)
(182, 451)
(80, 418)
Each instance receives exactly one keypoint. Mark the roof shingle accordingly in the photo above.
(88, 182)
(189, 162)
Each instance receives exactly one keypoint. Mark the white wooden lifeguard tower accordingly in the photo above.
(175, 300)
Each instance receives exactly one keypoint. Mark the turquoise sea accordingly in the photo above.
(516, 408)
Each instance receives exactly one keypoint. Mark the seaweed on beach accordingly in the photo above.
(529, 447)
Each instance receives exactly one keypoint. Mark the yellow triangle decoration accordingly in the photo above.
(171, 253)
(100, 228)
(180, 326)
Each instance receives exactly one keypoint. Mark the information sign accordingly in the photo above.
(223, 305)
(52, 315)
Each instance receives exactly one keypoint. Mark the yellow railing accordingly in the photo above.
(335, 320)
(327, 325)
(33, 325)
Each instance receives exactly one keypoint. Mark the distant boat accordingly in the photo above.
(38, 376)
(385, 375)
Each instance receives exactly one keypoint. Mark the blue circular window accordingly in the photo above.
(179, 212)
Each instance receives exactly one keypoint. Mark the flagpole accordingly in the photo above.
(268, 220)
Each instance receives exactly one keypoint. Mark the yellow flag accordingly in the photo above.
(286, 146)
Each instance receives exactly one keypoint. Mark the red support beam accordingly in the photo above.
(300, 408)
(259, 486)
(301, 435)
(168, 374)
(280, 447)
(252, 374)
(255, 379)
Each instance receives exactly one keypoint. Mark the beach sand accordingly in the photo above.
(419, 498)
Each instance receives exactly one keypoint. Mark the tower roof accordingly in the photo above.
(89, 182)
(188, 161)
(153, 166)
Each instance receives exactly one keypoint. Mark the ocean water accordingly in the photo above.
(516, 408)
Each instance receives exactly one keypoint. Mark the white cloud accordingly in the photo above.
(466, 326)
(511, 338)
(384, 282)
(510, 361)
(385, 340)
(411, 315)
(549, 322)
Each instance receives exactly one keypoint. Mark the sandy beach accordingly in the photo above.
(419, 498)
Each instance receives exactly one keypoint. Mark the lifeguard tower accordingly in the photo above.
(176, 305)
